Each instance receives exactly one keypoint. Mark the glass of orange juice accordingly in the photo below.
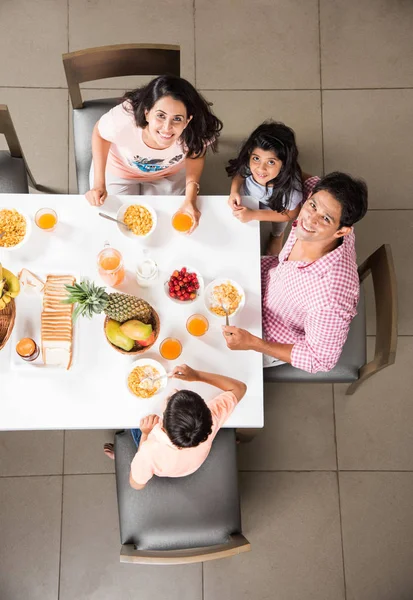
(170, 348)
(46, 218)
(197, 325)
(110, 266)
(182, 222)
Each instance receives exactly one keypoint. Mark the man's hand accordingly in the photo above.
(243, 214)
(195, 213)
(185, 373)
(148, 423)
(238, 339)
(97, 195)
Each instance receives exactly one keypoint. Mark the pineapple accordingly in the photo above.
(93, 300)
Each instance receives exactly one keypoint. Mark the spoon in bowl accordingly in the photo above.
(115, 220)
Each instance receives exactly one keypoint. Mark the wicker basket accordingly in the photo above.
(156, 326)
(7, 318)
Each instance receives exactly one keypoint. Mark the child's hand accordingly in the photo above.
(96, 196)
(185, 373)
(148, 423)
(243, 214)
(234, 201)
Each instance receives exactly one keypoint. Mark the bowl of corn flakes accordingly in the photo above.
(15, 227)
(140, 218)
(140, 374)
(225, 293)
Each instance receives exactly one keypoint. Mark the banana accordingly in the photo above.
(9, 286)
(2, 304)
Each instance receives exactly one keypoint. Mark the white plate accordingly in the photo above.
(143, 362)
(126, 232)
(28, 230)
(209, 300)
(199, 291)
(29, 306)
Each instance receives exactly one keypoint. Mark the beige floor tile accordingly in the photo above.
(33, 37)
(242, 112)
(377, 522)
(292, 522)
(30, 537)
(84, 451)
(394, 228)
(374, 429)
(31, 453)
(369, 133)
(90, 551)
(102, 23)
(366, 44)
(298, 433)
(266, 44)
(40, 119)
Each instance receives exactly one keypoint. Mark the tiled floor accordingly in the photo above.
(327, 487)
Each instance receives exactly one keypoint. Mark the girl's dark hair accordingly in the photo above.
(280, 139)
(187, 419)
(204, 127)
(350, 192)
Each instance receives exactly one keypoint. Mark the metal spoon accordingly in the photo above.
(148, 382)
(115, 220)
(226, 314)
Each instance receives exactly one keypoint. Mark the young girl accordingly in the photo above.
(267, 169)
(154, 142)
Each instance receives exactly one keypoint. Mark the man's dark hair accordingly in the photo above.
(350, 192)
(187, 419)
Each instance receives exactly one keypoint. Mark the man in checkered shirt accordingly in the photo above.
(311, 291)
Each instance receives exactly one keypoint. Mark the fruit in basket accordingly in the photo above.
(183, 285)
(149, 340)
(94, 300)
(9, 286)
(136, 330)
(116, 336)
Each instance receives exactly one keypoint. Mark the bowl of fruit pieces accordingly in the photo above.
(184, 285)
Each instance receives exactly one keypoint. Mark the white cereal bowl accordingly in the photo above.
(198, 292)
(208, 298)
(126, 232)
(143, 362)
(28, 230)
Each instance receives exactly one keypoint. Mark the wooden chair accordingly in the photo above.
(352, 366)
(100, 63)
(14, 171)
(181, 520)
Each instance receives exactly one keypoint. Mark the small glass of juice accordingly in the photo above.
(182, 222)
(170, 348)
(46, 219)
(110, 266)
(27, 349)
(197, 325)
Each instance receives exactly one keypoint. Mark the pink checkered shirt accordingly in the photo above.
(310, 305)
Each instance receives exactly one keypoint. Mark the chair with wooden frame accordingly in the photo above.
(352, 366)
(103, 62)
(181, 520)
(14, 171)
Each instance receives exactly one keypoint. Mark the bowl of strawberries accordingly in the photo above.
(185, 285)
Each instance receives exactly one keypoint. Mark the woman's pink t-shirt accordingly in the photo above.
(129, 157)
(158, 456)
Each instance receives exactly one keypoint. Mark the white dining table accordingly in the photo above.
(93, 394)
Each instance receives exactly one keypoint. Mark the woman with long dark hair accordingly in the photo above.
(154, 143)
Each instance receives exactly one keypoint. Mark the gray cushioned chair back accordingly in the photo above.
(346, 370)
(84, 120)
(201, 509)
(13, 175)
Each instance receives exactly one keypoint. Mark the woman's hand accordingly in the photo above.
(97, 195)
(148, 423)
(185, 373)
(243, 214)
(195, 213)
(234, 201)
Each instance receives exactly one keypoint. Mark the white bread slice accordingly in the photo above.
(30, 282)
(59, 357)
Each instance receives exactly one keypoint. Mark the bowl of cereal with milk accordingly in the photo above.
(15, 228)
(223, 294)
(140, 220)
(146, 378)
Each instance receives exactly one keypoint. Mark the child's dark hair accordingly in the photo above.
(280, 139)
(187, 419)
(204, 127)
(350, 192)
